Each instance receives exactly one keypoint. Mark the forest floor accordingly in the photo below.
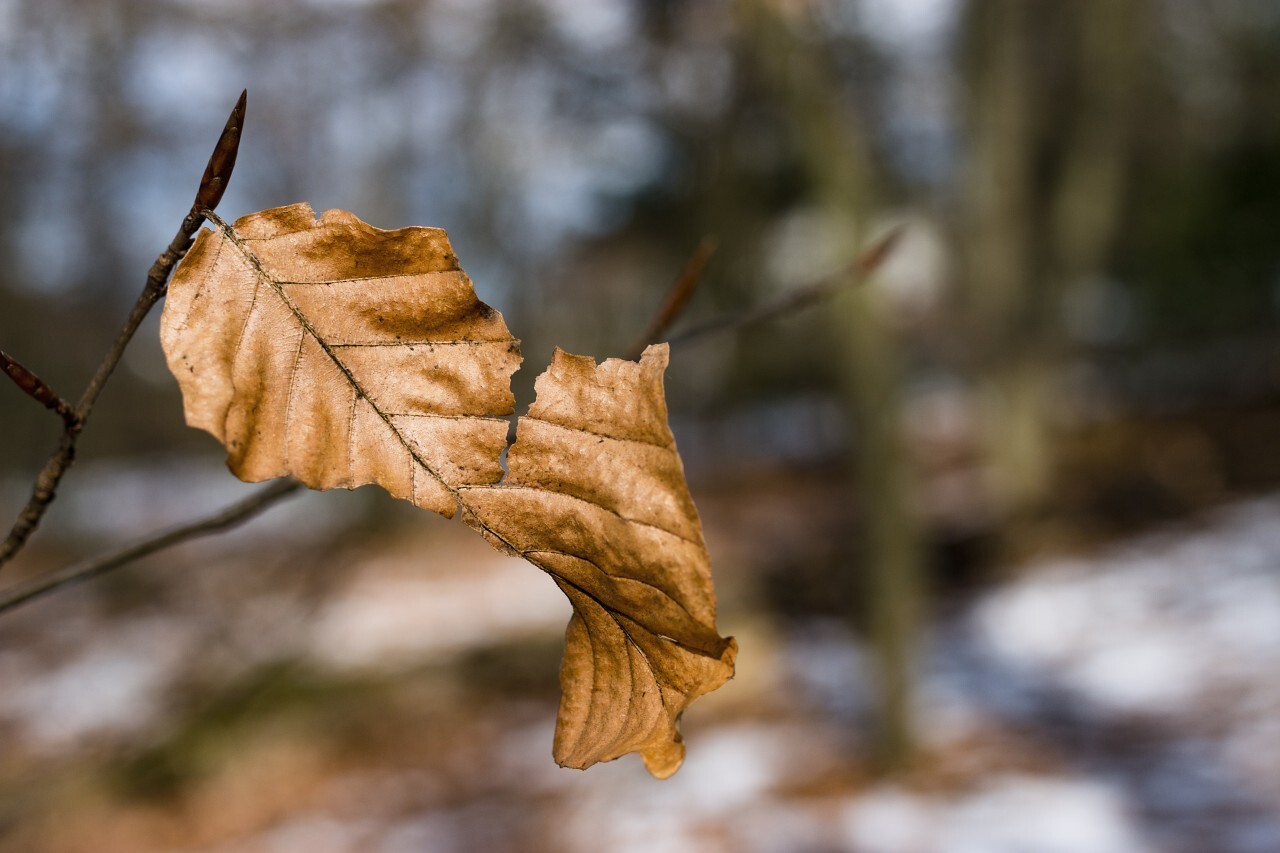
(313, 684)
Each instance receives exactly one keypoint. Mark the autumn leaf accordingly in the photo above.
(342, 355)
(595, 496)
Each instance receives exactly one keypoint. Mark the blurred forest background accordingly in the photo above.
(997, 530)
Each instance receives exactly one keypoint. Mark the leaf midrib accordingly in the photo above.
(252, 259)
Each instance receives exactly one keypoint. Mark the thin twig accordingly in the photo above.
(867, 263)
(212, 186)
(36, 388)
(227, 518)
(677, 297)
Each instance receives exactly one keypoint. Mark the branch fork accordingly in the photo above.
(212, 185)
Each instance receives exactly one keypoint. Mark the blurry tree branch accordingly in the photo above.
(677, 297)
(866, 263)
(225, 519)
(212, 186)
(242, 511)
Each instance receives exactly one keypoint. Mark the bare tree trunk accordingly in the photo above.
(999, 246)
(837, 158)
(1050, 91)
(895, 583)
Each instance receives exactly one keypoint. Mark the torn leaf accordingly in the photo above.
(339, 354)
(595, 496)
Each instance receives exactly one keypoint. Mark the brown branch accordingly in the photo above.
(867, 263)
(36, 388)
(677, 297)
(230, 517)
(212, 185)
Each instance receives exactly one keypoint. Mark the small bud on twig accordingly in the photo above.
(36, 388)
(223, 160)
(212, 186)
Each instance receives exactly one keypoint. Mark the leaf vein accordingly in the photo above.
(204, 283)
(585, 431)
(442, 343)
(440, 416)
(611, 576)
(388, 276)
(519, 487)
(288, 406)
(244, 327)
(351, 439)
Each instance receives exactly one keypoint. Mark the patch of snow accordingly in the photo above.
(115, 500)
(433, 832)
(888, 820)
(779, 825)
(910, 25)
(389, 622)
(828, 669)
(116, 684)
(732, 772)
(1030, 815)
(598, 26)
(1138, 674)
(1013, 814)
(314, 834)
(1151, 626)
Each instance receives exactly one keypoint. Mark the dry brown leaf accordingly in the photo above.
(339, 354)
(595, 495)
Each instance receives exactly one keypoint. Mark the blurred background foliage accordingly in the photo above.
(1075, 338)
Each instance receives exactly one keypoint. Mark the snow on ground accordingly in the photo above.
(1172, 642)
(1118, 703)
(1008, 814)
(383, 620)
(1156, 623)
(1149, 672)
(116, 684)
